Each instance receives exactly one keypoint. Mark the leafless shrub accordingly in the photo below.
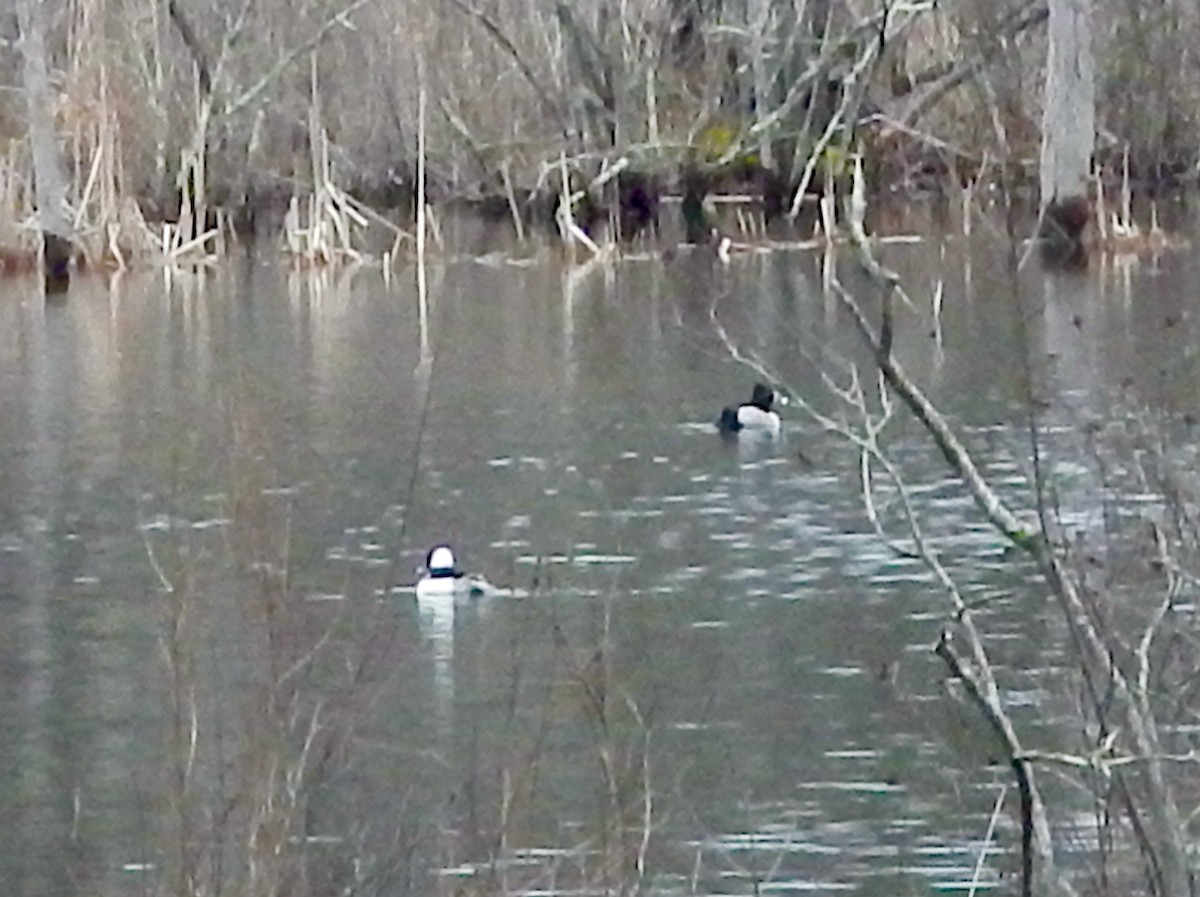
(265, 694)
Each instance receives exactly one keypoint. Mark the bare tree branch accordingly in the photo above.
(944, 79)
(507, 45)
(192, 41)
(256, 89)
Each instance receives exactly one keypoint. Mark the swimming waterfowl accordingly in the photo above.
(443, 578)
(758, 415)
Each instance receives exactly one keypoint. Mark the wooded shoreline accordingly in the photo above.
(175, 122)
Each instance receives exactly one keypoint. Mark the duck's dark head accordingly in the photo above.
(763, 397)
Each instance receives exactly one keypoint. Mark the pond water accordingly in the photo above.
(710, 675)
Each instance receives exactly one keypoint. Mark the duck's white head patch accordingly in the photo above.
(441, 558)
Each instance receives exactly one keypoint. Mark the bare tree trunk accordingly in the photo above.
(1068, 121)
(47, 167)
(758, 21)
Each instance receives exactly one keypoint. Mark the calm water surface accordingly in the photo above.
(215, 493)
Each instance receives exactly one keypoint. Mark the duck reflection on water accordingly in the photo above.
(441, 590)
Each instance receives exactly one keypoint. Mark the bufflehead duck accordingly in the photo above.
(443, 578)
(757, 415)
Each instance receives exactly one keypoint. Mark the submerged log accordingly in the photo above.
(638, 197)
(56, 262)
(623, 207)
(697, 225)
(1066, 219)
